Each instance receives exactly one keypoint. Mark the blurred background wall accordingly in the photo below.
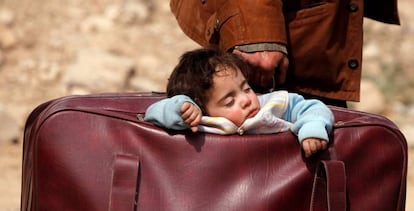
(55, 48)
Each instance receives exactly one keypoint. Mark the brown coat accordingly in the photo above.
(324, 37)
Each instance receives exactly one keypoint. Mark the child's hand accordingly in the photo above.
(312, 145)
(191, 115)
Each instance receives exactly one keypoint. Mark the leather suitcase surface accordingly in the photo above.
(91, 152)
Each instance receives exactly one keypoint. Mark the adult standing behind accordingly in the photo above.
(312, 47)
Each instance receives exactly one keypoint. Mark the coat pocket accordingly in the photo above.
(316, 39)
(314, 13)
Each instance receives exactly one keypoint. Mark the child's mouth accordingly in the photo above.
(252, 113)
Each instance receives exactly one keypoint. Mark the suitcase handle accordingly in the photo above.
(329, 186)
(124, 183)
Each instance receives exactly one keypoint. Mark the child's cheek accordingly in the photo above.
(235, 116)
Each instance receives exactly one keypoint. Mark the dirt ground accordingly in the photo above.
(39, 42)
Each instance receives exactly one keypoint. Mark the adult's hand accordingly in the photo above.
(265, 65)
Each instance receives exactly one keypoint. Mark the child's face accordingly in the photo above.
(231, 97)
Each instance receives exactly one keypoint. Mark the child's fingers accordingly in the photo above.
(194, 129)
(190, 118)
(186, 109)
(307, 151)
(324, 145)
(306, 146)
(312, 145)
(196, 119)
(191, 114)
(185, 106)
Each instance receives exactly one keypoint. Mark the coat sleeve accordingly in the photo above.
(228, 23)
(166, 113)
(311, 118)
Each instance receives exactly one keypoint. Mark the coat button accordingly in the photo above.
(353, 64)
(203, 1)
(353, 7)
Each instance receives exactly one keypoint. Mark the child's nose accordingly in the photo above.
(246, 101)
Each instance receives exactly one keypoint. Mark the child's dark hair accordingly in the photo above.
(193, 75)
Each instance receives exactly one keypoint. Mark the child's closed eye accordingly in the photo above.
(247, 88)
(229, 102)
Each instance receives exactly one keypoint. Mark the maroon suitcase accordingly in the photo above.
(92, 153)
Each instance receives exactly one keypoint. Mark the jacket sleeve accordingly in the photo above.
(228, 23)
(310, 118)
(166, 113)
